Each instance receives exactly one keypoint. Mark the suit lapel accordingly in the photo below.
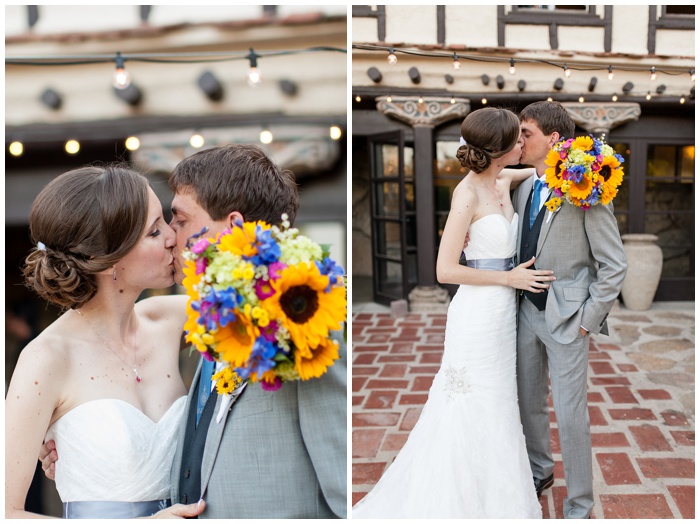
(523, 195)
(546, 225)
(214, 434)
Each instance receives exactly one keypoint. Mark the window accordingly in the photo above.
(682, 10)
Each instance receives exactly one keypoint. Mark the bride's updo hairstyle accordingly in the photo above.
(490, 133)
(83, 222)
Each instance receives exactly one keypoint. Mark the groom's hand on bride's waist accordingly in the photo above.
(48, 457)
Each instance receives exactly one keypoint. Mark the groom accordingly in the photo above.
(272, 455)
(584, 250)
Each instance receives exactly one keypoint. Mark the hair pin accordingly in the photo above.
(41, 246)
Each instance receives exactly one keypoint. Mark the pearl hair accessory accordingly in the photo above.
(41, 246)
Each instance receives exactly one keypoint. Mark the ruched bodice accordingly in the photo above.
(111, 451)
(492, 236)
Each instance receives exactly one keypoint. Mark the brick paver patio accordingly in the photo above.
(640, 397)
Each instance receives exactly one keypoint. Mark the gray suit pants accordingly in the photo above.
(567, 364)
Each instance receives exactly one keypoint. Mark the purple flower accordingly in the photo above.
(200, 265)
(200, 246)
(268, 332)
(275, 269)
(263, 289)
(271, 387)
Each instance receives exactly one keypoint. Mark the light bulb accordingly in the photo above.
(196, 141)
(392, 57)
(420, 100)
(611, 75)
(581, 99)
(652, 74)
(682, 100)
(265, 136)
(132, 143)
(358, 98)
(72, 147)
(254, 78)
(567, 71)
(614, 98)
(511, 69)
(456, 63)
(549, 99)
(16, 148)
(336, 133)
(453, 101)
(648, 97)
(692, 75)
(388, 99)
(484, 101)
(121, 78)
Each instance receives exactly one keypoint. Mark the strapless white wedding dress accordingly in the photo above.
(466, 455)
(111, 452)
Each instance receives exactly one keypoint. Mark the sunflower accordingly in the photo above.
(241, 239)
(322, 357)
(581, 190)
(553, 173)
(608, 194)
(226, 381)
(611, 172)
(582, 143)
(234, 343)
(302, 306)
(191, 280)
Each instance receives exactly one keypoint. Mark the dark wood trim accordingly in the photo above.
(554, 19)
(666, 21)
(441, 24)
(366, 11)
(424, 153)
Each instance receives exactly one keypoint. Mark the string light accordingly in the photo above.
(132, 143)
(455, 62)
(72, 147)
(511, 69)
(359, 99)
(652, 74)
(567, 71)
(484, 101)
(388, 99)
(420, 100)
(253, 78)
(16, 148)
(614, 98)
(549, 99)
(336, 133)
(392, 57)
(648, 97)
(196, 140)
(682, 100)
(121, 78)
(453, 101)
(611, 75)
(692, 75)
(265, 136)
(581, 99)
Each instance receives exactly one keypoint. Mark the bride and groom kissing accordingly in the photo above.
(101, 385)
(481, 447)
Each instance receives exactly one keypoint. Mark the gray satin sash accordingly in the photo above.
(112, 510)
(494, 264)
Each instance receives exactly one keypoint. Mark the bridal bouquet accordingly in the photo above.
(584, 171)
(263, 299)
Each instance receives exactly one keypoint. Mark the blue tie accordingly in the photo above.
(204, 389)
(535, 204)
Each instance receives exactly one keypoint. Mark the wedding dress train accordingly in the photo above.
(466, 456)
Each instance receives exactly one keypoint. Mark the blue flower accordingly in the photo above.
(334, 272)
(262, 358)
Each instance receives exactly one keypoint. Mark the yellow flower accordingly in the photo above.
(269, 377)
(611, 172)
(322, 357)
(191, 280)
(303, 307)
(607, 194)
(226, 381)
(582, 143)
(241, 240)
(248, 272)
(553, 204)
(582, 189)
(553, 173)
(234, 343)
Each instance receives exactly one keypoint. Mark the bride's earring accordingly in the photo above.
(114, 275)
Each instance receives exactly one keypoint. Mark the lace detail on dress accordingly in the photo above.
(456, 383)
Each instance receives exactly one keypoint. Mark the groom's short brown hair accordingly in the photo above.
(550, 117)
(237, 177)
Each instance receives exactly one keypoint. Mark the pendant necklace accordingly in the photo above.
(133, 368)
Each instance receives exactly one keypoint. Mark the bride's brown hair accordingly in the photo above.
(83, 222)
(490, 133)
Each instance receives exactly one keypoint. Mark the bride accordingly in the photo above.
(466, 456)
(102, 380)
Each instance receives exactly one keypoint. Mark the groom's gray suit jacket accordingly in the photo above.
(584, 249)
(276, 454)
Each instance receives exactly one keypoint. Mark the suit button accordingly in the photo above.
(187, 473)
(183, 499)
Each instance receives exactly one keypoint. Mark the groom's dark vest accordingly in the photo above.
(528, 248)
(193, 450)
